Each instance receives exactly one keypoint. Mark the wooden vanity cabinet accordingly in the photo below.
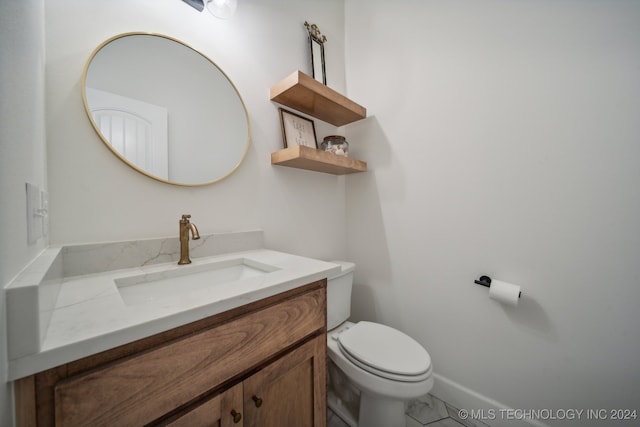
(279, 394)
(223, 410)
(263, 364)
(282, 395)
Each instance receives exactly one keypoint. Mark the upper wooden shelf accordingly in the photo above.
(305, 94)
(308, 158)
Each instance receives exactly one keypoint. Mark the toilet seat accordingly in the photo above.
(384, 351)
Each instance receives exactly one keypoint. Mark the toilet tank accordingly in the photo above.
(339, 295)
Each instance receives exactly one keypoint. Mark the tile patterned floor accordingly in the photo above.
(425, 411)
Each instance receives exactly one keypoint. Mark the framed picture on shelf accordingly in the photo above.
(297, 130)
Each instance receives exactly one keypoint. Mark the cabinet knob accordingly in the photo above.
(257, 401)
(237, 416)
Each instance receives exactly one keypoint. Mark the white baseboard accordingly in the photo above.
(479, 407)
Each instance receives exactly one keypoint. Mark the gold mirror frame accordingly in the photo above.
(102, 137)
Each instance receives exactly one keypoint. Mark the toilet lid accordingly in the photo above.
(385, 351)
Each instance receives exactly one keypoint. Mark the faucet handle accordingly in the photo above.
(185, 217)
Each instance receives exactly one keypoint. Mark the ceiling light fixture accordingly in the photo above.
(223, 9)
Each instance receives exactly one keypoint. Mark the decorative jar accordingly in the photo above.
(335, 144)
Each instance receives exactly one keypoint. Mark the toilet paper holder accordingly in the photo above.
(486, 281)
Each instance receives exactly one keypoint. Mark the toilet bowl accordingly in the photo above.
(386, 367)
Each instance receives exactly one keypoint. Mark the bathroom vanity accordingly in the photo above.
(248, 352)
(257, 365)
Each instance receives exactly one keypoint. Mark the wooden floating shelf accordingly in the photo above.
(307, 95)
(308, 158)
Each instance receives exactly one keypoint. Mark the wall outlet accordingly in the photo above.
(34, 219)
(44, 211)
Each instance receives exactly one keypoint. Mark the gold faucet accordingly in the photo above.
(185, 226)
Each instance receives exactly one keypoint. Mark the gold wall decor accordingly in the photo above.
(316, 52)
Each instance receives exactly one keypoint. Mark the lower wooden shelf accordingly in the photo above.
(308, 158)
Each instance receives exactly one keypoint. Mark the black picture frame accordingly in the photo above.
(297, 130)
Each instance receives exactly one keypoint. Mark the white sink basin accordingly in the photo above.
(183, 280)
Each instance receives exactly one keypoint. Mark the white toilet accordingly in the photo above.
(374, 369)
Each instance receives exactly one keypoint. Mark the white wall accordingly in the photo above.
(502, 140)
(22, 149)
(95, 197)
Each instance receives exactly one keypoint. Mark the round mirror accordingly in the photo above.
(165, 109)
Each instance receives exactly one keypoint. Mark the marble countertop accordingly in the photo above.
(90, 315)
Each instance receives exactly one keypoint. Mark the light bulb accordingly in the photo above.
(223, 9)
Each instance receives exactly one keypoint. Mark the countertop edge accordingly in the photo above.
(48, 358)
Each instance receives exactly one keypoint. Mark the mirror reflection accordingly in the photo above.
(165, 109)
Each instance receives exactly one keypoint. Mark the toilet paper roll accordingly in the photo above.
(506, 293)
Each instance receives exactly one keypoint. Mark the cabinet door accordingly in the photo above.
(290, 391)
(223, 410)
